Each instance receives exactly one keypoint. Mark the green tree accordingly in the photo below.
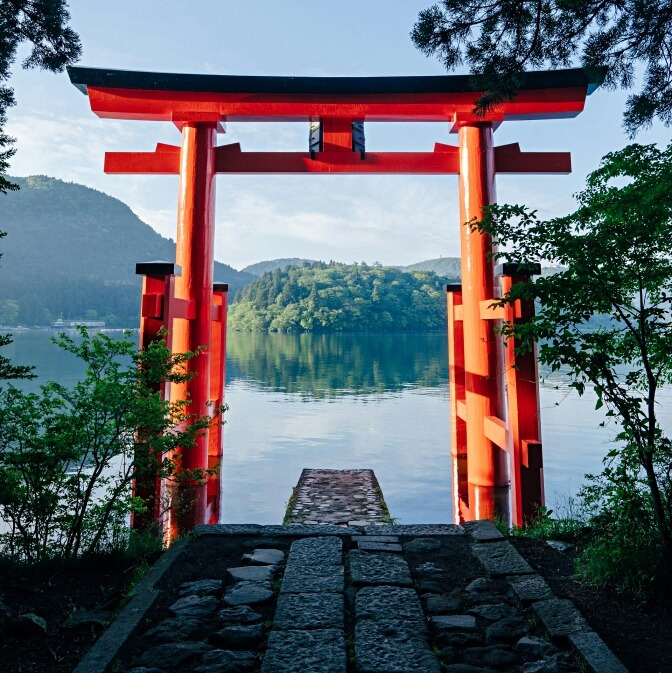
(499, 39)
(68, 456)
(7, 369)
(340, 297)
(617, 250)
(42, 23)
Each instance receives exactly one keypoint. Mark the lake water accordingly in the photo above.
(355, 401)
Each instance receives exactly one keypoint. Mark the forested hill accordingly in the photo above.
(71, 250)
(341, 297)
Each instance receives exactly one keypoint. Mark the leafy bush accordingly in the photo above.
(625, 549)
(68, 457)
(568, 524)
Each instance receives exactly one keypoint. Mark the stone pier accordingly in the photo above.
(340, 497)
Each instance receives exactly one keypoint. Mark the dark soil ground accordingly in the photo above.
(55, 593)
(640, 634)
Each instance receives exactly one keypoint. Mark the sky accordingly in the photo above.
(398, 220)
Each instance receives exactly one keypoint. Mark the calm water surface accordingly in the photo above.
(355, 401)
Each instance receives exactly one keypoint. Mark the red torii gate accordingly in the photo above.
(483, 419)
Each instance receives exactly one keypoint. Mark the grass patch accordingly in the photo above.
(289, 517)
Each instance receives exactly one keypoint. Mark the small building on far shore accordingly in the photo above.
(71, 324)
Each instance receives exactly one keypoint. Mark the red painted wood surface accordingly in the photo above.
(482, 390)
(154, 312)
(217, 380)
(195, 254)
(524, 420)
(185, 106)
(443, 160)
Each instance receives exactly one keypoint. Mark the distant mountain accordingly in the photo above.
(71, 250)
(260, 268)
(447, 267)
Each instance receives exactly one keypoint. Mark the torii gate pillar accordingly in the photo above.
(195, 254)
(482, 391)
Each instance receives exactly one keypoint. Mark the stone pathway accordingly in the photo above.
(308, 631)
(341, 497)
(372, 599)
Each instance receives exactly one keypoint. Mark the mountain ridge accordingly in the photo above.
(71, 250)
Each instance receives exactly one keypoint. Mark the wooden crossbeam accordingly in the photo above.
(232, 160)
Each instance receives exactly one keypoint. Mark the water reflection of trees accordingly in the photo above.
(331, 365)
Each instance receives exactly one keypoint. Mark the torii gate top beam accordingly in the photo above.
(122, 94)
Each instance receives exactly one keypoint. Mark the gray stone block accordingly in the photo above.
(482, 531)
(464, 623)
(500, 559)
(242, 614)
(306, 530)
(264, 557)
(252, 573)
(467, 668)
(309, 611)
(559, 617)
(493, 612)
(593, 650)
(313, 579)
(227, 661)
(415, 530)
(194, 606)
(430, 586)
(508, 629)
(317, 551)
(248, 593)
(422, 545)
(532, 647)
(228, 529)
(318, 651)
(390, 647)
(380, 546)
(479, 586)
(376, 538)
(239, 636)
(199, 588)
(389, 603)
(556, 663)
(375, 568)
(559, 545)
(530, 588)
(491, 656)
(443, 605)
(172, 630)
(459, 638)
(173, 656)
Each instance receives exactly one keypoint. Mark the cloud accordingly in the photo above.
(391, 219)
